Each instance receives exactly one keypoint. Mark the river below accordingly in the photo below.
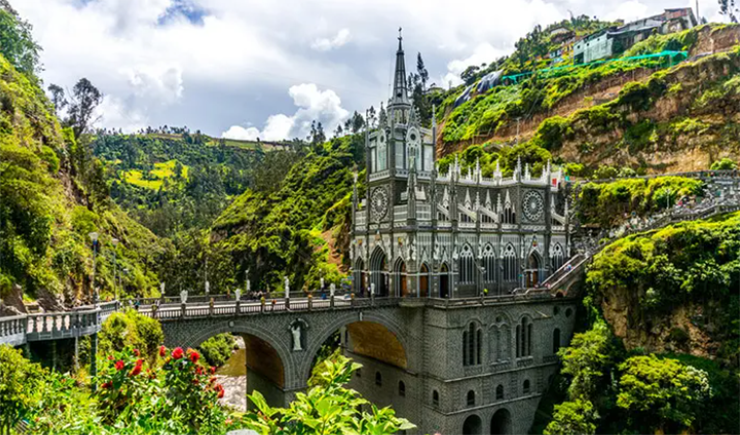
(233, 377)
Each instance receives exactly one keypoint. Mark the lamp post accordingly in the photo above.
(115, 267)
(94, 239)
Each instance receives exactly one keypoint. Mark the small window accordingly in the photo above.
(378, 379)
(471, 398)
(435, 398)
(500, 392)
(568, 312)
(555, 310)
(525, 387)
(555, 340)
(401, 389)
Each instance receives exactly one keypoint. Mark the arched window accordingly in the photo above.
(466, 266)
(401, 389)
(472, 343)
(525, 387)
(471, 398)
(489, 265)
(510, 264)
(555, 340)
(558, 257)
(435, 398)
(500, 344)
(378, 379)
(524, 338)
(500, 392)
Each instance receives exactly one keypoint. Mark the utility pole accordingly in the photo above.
(698, 17)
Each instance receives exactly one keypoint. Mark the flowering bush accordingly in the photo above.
(175, 395)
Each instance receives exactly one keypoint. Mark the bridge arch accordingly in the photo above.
(374, 319)
(273, 373)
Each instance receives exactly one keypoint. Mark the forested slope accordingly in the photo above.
(52, 195)
(639, 114)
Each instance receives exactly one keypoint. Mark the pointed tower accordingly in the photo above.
(400, 97)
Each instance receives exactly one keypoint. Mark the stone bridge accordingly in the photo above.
(460, 365)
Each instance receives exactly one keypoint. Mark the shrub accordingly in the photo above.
(327, 407)
(19, 387)
(724, 165)
(218, 349)
(130, 329)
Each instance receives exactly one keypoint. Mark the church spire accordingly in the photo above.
(400, 96)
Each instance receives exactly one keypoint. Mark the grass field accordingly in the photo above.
(161, 171)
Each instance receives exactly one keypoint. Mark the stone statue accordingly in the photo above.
(161, 288)
(238, 294)
(332, 289)
(296, 331)
(287, 287)
(184, 297)
(372, 289)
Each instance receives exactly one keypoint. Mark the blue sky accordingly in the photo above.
(266, 69)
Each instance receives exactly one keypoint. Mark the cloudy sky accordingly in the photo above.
(266, 68)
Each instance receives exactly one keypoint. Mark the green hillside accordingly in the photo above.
(52, 198)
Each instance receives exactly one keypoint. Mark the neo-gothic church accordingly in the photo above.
(419, 232)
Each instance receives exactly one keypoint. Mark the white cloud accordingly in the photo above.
(326, 44)
(237, 58)
(161, 84)
(483, 53)
(628, 11)
(313, 105)
(116, 114)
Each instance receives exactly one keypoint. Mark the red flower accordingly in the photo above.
(194, 356)
(110, 357)
(162, 351)
(213, 370)
(137, 368)
(119, 365)
(199, 370)
(106, 385)
(177, 353)
(212, 380)
(220, 390)
(136, 352)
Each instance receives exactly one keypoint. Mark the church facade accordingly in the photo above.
(422, 232)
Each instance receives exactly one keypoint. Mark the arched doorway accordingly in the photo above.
(472, 426)
(533, 270)
(379, 272)
(501, 422)
(424, 280)
(444, 281)
(400, 279)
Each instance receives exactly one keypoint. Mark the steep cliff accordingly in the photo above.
(48, 206)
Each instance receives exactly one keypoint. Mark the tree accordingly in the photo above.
(662, 392)
(358, 122)
(327, 408)
(19, 379)
(421, 70)
(316, 136)
(17, 44)
(469, 75)
(728, 8)
(58, 98)
(85, 99)
(724, 165)
(577, 417)
(585, 360)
